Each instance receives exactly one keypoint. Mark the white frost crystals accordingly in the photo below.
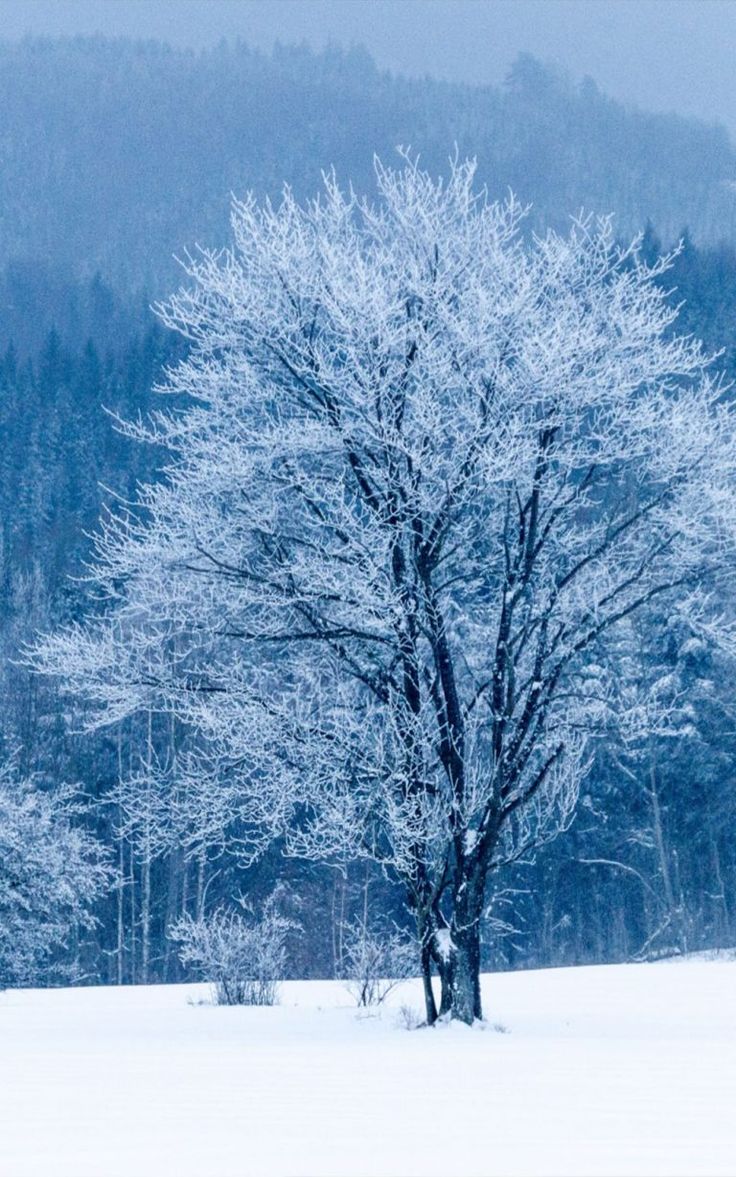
(51, 873)
(423, 470)
(242, 958)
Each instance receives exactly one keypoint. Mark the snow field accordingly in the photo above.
(615, 1071)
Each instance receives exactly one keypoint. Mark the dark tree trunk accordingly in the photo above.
(430, 1005)
(461, 982)
(454, 949)
(461, 975)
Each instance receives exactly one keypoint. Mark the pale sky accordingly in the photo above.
(661, 54)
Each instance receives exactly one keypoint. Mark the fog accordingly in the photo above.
(660, 54)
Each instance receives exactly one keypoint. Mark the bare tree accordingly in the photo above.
(420, 468)
(375, 960)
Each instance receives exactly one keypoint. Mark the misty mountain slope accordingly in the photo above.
(114, 154)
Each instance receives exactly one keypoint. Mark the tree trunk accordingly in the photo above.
(145, 917)
(201, 862)
(459, 952)
(461, 980)
(667, 861)
(146, 861)
(120, 947)
(430, 1006)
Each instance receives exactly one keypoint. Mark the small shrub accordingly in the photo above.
(375, 962)
(409, 1019)
(243, 959)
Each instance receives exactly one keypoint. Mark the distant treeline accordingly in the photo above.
(115, 155)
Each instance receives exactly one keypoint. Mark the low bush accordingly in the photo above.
(242, 958)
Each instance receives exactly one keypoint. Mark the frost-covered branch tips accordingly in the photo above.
(426, 468)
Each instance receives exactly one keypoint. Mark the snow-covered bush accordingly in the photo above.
(375, 961)
(243, 959)
(51, 872)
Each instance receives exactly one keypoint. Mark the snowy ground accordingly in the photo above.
(615, 1070)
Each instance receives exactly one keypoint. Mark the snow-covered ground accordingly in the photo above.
(612, 1070)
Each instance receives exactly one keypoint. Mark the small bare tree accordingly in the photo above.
(375, 960)
(421, 468)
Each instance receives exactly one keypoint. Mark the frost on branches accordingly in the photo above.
(420, 470)
(50, 875)
(243, 959)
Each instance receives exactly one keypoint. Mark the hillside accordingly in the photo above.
(114, 154)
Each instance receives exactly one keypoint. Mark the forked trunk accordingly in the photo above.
(459, 949)
(461, 980)
(454, 952)
(464, 976)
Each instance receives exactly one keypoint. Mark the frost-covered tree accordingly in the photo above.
(51, 873)
(421, 468)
